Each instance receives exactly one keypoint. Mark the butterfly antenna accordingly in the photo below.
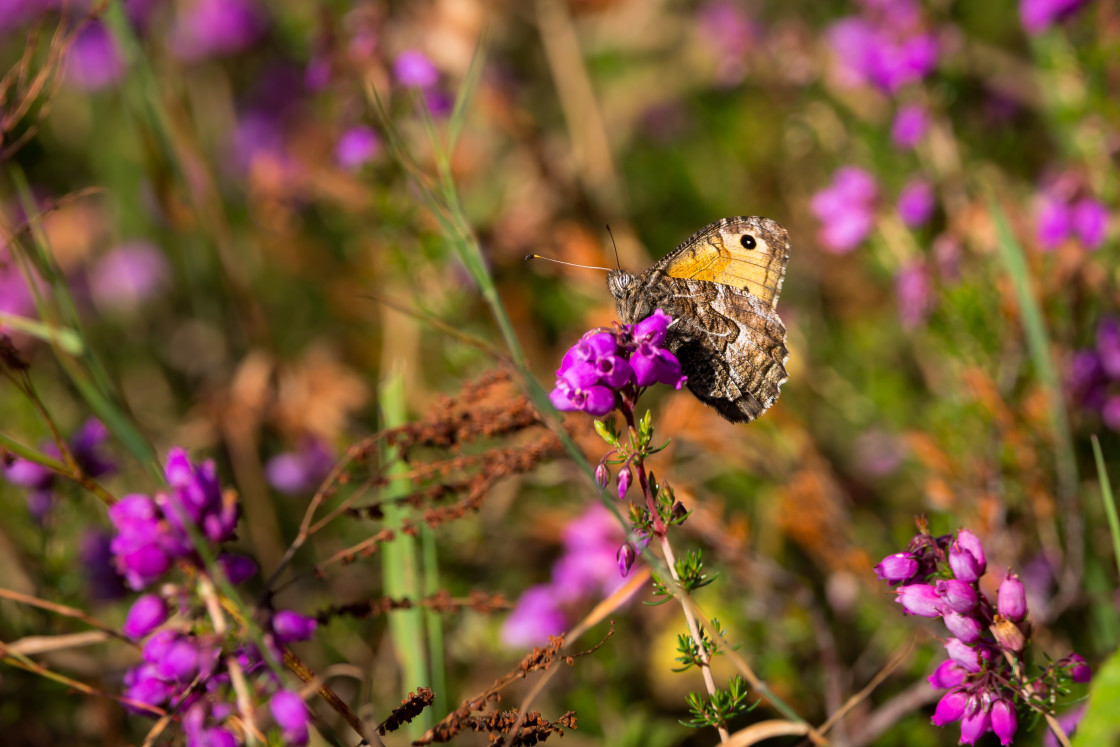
(615, 246)
(569, 264)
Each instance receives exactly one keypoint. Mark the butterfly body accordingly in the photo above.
(721, 286)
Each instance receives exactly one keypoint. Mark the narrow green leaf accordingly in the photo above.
(1039, 344)
(66, 339)
(1108, 500)
(1101, 724)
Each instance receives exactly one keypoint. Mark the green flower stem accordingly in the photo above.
(694, 630)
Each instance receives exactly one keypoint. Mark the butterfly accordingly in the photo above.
(721, 287)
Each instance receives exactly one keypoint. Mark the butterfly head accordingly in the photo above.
(624, 287)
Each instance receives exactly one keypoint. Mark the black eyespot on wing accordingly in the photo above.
(748, 241)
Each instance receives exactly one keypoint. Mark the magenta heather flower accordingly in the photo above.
(846, 209)
(604, 365)
(147, 613)
(290, 713)
(238, 568)
(128, 276)
(982, 675)
(898, 567)
(625, 558)
(919, 599)
(1039, 15)
(910, 126)
(212, 28)
(916, 202)
(623, 483)
(888, 46)
(950, 708)
(413, 69)
(967, 558)
(915, 295)
(1011, 599)
(536, 617)
(358, 146)
(94, 62)
(1059, 219)
(289, 626)
(302, 470)
(1004, 722)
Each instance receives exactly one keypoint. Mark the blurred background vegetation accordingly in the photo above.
(205, 191)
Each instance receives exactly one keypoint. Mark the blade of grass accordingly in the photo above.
(85, 371)
(1038, 342)
(400, 569)
(1108, 500)
(66, 339)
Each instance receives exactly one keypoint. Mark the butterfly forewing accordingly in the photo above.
(748, 253)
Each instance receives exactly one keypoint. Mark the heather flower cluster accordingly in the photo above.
(586, 570)
(1061, 217)
(186, 663)
(607, 367)
(846, 209)
(888, 45)
(86, 448)
(1094, 374)
(985, 676)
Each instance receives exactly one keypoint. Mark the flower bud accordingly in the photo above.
(1011, 599)
(948, 674)
(679, 511)
(919, 599)
(957, 595)
(965, 627)
(1008, 635)
(966, 656)
(950, 708)
(1004, 722)
(602, 475)
(966, 557)
(626, 557)
(975, 726)
(623, 482)
(147, 613)
(1078, 670)
(898, 567)
(291, 626)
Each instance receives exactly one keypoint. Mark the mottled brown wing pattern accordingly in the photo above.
(731, 346)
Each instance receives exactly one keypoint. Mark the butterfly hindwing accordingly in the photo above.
(748, 253)
(730, 344)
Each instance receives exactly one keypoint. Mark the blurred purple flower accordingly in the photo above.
(291, 627)
(102, 580)
(910, 126)
(1039, 15)
(916, 202)
(129, 275)
(291, 715)
(1108, 345)
(16, 13)
(886, 47)
(84, 445)
(440, 104)
(1059, 219)
(878, 453)
(1068, 721)
(358, 146)
(1110, 412)
(211, 28)
(1090, 222)
(536, 617)
(413, 69)
(915, 295)
(238, 568)
(94, 62)
(300, 471)
(1087, 379)
(846, 208)
(147, 613)
(588, 565)
(729, 32)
